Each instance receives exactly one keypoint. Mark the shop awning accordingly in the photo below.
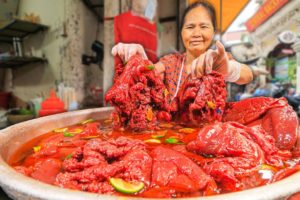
(226, 10)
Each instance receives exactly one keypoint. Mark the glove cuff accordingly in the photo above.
(234, 71)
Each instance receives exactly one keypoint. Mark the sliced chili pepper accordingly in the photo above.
(36, 148)
(166, 125)
(60, 130)
(108, 121)
(75, 131)
(149, 114)
(159, 134)
(91, 137)
(211, 105)
(155, 141)
(186, 130)
(166, 92)
(87, 121)
(268, 167)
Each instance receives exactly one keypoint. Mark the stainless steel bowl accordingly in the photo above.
(20, 187)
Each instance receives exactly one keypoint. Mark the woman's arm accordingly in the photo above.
(246, 75)
(238, 73)
(160, 69)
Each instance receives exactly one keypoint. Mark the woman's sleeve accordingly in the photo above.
(162, 67)
(169, 61)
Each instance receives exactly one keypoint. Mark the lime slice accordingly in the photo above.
(126, 187)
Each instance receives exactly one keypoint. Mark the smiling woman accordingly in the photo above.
(198, 29)
(197, 32)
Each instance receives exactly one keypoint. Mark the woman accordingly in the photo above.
(197, 32)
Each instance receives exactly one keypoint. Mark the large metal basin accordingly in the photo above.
(18, 186)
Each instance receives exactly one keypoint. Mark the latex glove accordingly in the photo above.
(210, 60)
(231, 69)
(198, 66)
(216, 60)
(125, 51)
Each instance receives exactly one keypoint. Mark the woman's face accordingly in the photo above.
(197, 32)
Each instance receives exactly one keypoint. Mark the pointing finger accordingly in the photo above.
(220, 48)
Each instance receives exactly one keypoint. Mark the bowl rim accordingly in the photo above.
(18, 185)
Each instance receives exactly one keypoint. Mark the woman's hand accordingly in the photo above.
(211, 60)
(199, 66)
(216, 60)
(125, 51)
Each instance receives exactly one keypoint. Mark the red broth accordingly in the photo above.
(42, 158)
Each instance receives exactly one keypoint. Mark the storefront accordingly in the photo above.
(275, 28)
(282, 63)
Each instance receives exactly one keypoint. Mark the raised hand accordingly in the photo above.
(125, 51)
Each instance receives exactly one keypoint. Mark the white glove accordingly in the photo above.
(216, 60)
(125, 51)
(198, 66)
(234, 71)
(210, 60)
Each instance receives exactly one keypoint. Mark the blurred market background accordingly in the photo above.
(64, 46)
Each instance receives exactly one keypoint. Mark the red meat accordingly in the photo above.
(237, 150)
(275, 115)
(92, 165)
(137, 95)
(202, 100)
(173, 169)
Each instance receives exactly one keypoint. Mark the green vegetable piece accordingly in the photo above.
(173, 141)
(68, 156)
(67, 134)
(150, 67)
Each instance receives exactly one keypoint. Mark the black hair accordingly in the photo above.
(209, 8)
